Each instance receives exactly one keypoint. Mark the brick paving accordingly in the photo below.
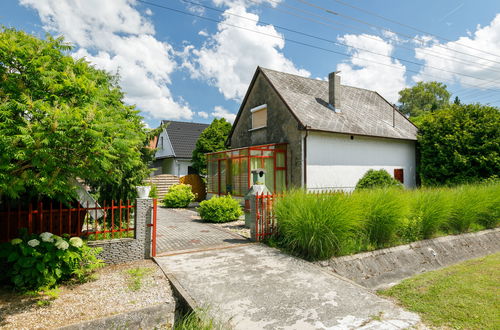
(180, 230)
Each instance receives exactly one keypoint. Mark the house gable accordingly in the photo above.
(282, 126)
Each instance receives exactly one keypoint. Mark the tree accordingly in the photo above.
(423, 97)
(459, 144)
(62, 119)
(212, 139)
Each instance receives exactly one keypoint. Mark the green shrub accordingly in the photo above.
(315, 226)
(377, 179)
(153, 193)
(429, 211)
(382, 211)
(178, 195)
(42, 261)
(489, 213)
(220, 209)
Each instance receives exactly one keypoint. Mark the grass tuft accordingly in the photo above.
(315, 226)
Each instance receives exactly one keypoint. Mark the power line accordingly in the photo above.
(425, 51)
(282, 38)
(410, 27)
(332, 41)
(336, 13)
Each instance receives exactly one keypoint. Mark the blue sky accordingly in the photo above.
(196, 65)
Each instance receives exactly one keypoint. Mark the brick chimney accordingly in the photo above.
(334, 91)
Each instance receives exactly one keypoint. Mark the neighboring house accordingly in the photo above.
(175, 147)
(332, 135)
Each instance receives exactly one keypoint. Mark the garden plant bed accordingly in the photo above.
(463, 296)
(112, 293)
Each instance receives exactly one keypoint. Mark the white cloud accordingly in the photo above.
(245, 3)
(484, 40)
(148, 12)
(115, 37)
(387, 78)
(229, 57)
(203, 114)
(220, 112)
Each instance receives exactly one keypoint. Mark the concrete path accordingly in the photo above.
(257, 287)
(181, 230)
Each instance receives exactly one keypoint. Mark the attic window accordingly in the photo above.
(259, 116)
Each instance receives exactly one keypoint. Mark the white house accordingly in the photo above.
(175, 145)
(333, 134)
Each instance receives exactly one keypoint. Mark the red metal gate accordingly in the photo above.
(153, 229)
(265, 222)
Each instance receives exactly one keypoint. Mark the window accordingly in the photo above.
(259, 116)
(399, 175)
(161, 142)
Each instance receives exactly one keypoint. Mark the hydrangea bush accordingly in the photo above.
(36, 262)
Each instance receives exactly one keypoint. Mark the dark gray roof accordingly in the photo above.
(183, 136)
(363, 112)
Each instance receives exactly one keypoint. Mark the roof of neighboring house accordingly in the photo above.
(363, 112)
(183, 136)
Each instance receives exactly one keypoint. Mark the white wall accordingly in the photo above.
(166, 150)
(334, 161)
(178, 167)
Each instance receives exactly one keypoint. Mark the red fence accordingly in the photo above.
(265, 221)
(111, 220)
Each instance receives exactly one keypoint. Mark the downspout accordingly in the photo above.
(305, 156)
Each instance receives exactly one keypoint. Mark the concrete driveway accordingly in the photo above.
(254, 286)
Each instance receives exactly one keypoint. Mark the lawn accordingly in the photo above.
(463, 296)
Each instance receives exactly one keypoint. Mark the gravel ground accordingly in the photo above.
(235, 226)
(109, 294)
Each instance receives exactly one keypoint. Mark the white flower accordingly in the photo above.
(34, 242)
(76, 242)
(62, 244)
(16, 241)
(47, 237)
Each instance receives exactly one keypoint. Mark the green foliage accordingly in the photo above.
(178, 195)
(199, 319)
(423, 97)
(220, 209)
(320, 226)
(430, 209)
(462, 296)
(62, 119)
(136, 276)
(37, 262)
(383, 211)
(213, 138)
(153, 193)
(459, 144)
(315, 226)
(377, 179)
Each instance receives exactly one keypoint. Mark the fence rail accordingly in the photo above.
(95, 222)
(265, 220)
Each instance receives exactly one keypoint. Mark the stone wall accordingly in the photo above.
(384, 268)
(121, 250)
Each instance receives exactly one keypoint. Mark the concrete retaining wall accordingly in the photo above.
(129, 249)
(384, 268)
(155, 317)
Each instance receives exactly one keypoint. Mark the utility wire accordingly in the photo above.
(369, 36)
(282, 38)
(410, 27)
(332, 41)
(336, 13)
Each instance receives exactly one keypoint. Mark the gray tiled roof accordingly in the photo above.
(183, 136)
(363, 112)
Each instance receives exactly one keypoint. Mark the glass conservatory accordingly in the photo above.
(228, 172)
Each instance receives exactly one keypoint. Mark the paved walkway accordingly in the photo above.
(257, 287)
(181, 230)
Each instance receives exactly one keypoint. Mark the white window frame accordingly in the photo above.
(256, 109)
